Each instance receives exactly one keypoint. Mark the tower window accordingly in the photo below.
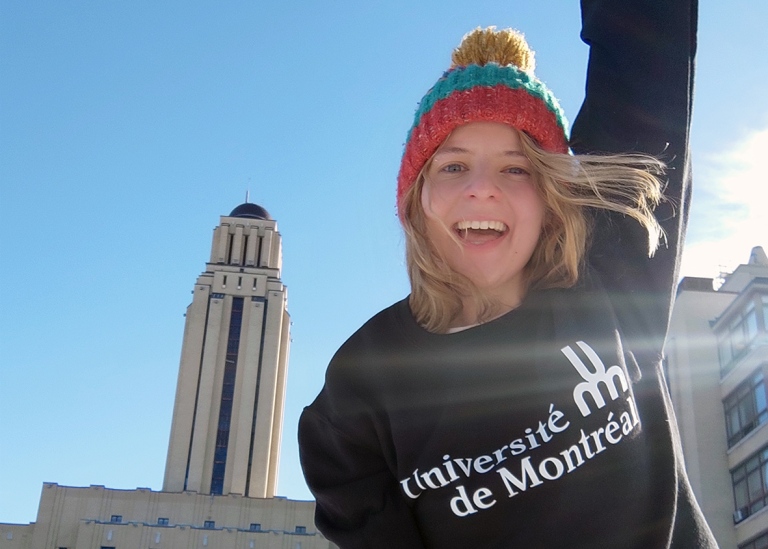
(162, 521)
(227, 396)
(230, 243)
(255, 527)
(116, 518)
(209, 524)
(301, 529)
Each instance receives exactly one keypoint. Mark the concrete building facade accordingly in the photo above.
(716, 361)
(100, 518)
(223, 453)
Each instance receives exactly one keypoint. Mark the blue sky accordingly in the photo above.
(127, 129)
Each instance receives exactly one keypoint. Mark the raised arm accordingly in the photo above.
(638, 99)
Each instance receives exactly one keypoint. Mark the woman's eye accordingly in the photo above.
(452, 168)
(516, 170)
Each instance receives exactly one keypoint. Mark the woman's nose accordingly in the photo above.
(481, 185)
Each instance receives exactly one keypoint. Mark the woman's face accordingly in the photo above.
(484, 214)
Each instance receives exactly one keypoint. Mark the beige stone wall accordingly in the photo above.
(16, 536)
(82, 518)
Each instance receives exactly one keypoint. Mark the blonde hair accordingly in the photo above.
(569, 186)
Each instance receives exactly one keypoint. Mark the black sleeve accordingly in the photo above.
(638, 99)
(359, 504)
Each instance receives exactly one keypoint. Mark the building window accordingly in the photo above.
(725, 354)
(764, 305)
(301, 529)
(736, 338)
(750, 485)
(162, 521)
(209, 524)
(746, 408)
(116, 518)
(760, 542)
(255, 527)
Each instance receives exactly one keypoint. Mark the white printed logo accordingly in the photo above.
(593, 380)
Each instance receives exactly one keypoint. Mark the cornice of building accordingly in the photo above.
(756, 285)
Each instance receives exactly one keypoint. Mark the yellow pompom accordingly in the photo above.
(483, 46)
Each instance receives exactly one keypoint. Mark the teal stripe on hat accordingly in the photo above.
(492, 74)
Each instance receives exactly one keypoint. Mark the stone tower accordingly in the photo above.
(227, 417)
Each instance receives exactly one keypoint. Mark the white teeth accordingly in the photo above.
(494, 225)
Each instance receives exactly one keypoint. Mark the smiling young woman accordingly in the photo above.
(516, 397)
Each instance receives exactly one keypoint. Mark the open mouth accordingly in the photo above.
(479, 232)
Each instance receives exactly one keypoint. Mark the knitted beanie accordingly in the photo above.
(490, 80)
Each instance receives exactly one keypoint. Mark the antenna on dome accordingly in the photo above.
(247, 196)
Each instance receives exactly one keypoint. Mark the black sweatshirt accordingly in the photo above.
(550, 426)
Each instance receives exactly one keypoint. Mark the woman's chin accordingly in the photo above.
(500, 287)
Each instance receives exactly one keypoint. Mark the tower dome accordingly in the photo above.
(251, 211)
